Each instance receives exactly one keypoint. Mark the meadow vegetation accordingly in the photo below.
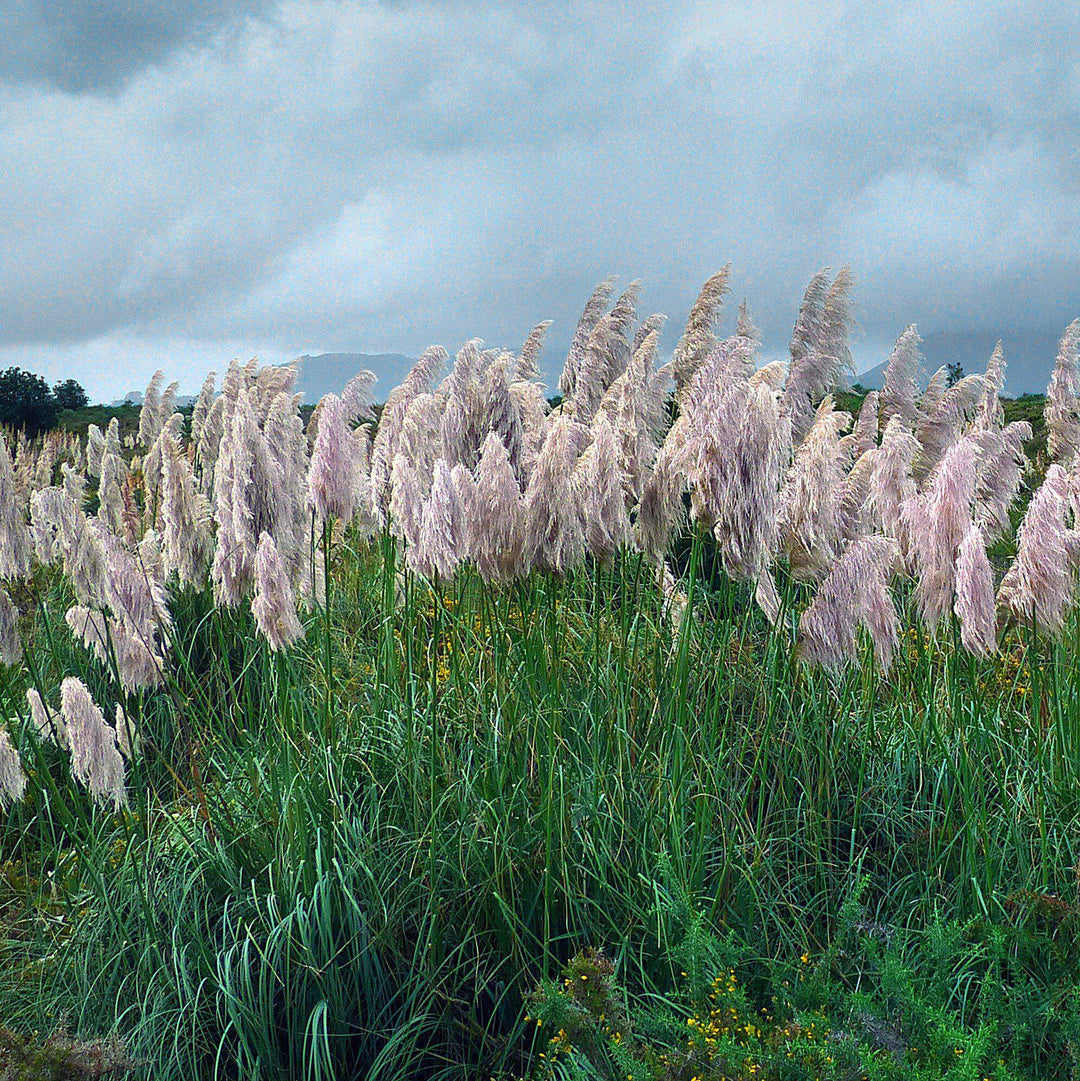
(692, 727)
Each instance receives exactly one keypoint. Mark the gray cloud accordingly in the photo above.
(341, 176)
(80, 45)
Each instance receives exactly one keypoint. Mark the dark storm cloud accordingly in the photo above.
(79, 45)
(344, 175)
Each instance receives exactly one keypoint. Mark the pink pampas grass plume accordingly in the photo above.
(756, 454)
(273, 604)
(185, 516)
(600, 493)
(95, 759)
(900, 389)
(150, 418)
(357, 396)
(114, 472)
(501, 415)
(891, 483)
(819, 350)
(998, 477)
(652, 324)
(594, 309)
(864, 436)
(975, 596)
(436, 554)
(15, 548)
(48, 726)
(854, 594)
(855, 515)
(388, 434)
(1040, 586)
(943, 426)
(661, 507)
(1062, 409)
(698, 338)
(12, 774)
(201, 410)
(938, 521)
(554, 529)
(10, 645)
(810, 513)
(526, 364)
(497, 531)
(991, 414)
(673, 600)
(767, 597)
(95, 447)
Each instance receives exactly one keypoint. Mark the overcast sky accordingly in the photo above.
(183, 182)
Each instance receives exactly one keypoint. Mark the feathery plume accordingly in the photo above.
(554, 530)
(819, 350)
(273, 604)
(991, 415)
(698, 339)
(185, 516)
(599, 492)
(975, 595)
(1001, 461)
(95, 446)
(673, 601)
(1040, 585)
(502, 416)
(652, 324)
(114, 472)
(437, 555)
(12, 774)
(10, 645)
(855, 515)
(48, 726)
(497, 531)
(854, 594)
(810, 498)
(767, 597)
(526, 365)
(863, 436)
(744, 325)
(942, 426)
(150, 414)
(14, 534)
(201, 411)
(357, 398)
(900, 388)
(594, 309)
(891, 483)
(1062, 409)
(938, 521)
(95, 760)
(810, 322)
(388, 433)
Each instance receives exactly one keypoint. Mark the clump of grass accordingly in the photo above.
(61, 1057)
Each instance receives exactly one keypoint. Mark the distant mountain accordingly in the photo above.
(328, 373)
(1029, 355)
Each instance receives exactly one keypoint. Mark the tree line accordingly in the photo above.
(28, 402)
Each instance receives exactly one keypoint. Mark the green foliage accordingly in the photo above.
(60, 1057)
(26, 402)
(69, 394)
(360, 858)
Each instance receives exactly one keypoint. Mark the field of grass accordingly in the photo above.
(575, 825)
